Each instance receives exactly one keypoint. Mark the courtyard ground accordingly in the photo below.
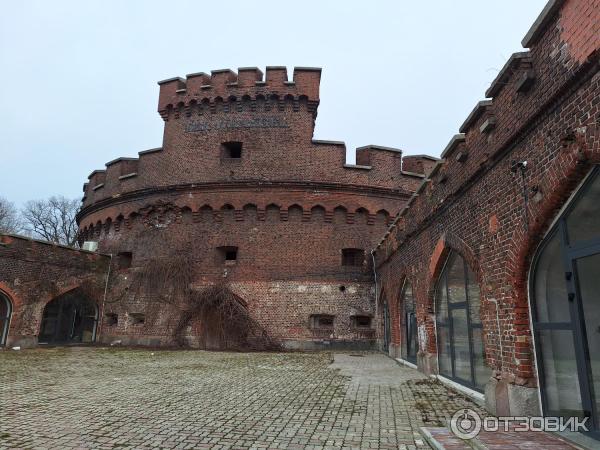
(79, 398)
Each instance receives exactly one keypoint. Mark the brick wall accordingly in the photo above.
(544, 111)
(289, 204)
(32, 273)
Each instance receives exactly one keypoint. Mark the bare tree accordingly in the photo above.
(10, 222)
(52, 219)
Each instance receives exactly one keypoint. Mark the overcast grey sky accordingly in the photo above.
(78, 79)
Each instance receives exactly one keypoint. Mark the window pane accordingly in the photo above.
(583, 222)
(460, 340)
(443, 342)
(551, 300)
(482, 372)
(408, 307)
(588, 274)
(408, 300)
(412, 342)
(474, 296)
(4, 318)
(561, 384)
(441, 301)
(456, 279)
(3, 309)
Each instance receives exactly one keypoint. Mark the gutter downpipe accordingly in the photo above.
(100, 319)
(376, 289)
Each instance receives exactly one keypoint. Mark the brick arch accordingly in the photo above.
(107, 225)
(250, 211)
(395, 290)
(205, 207)
(525, 244)
(384, 213)
(273, 212)
(318, 211)
(447, 242)
(342, 211)
(289, 101)
(450, 242)
(295, 212)
(44, 301)
(16, 304)
(129, 213)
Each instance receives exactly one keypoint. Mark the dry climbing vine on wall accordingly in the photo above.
(223, 315)
(226, 318)
(169, 280)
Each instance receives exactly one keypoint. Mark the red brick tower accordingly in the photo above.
(240, 184)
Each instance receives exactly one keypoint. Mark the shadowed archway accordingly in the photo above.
(70, 318)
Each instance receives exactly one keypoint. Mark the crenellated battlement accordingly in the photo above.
(272, 133)
(377, 167)
(248, 85)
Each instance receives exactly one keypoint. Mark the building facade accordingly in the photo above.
(489, 276)
(49, 293)
(241, 189)
(480, 268)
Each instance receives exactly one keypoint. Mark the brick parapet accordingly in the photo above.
(277, 140)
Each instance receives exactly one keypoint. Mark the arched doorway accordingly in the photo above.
(5, 313)
(408, 324)
(565, 312)
(461, 355)
(69, 318)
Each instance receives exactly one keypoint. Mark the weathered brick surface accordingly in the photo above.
(289, 204)
(473, 201)
(32, 273)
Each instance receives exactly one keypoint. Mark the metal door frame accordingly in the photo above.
(450, 324)
(569, 254)
(5, 320)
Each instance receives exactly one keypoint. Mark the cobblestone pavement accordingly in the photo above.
(80, 398)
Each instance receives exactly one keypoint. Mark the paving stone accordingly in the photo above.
(96, 398)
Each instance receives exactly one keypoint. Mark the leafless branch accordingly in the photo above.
(52, 219)
(10, 222)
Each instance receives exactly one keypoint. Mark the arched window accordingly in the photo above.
(408, 324)
(565, 294)
(5, 312)
(461, 354)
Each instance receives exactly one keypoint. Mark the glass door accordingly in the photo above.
(586, 265)
(461, 354)
(566, 310)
